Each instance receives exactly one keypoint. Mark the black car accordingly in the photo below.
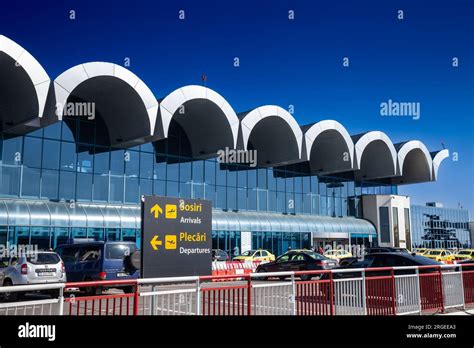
(374, 250)
(219, 255)
(349, 260)
(390, 259)
(298, 260)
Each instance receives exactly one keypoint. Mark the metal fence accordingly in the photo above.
(375, 291)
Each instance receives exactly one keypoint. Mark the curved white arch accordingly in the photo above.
(37, 74)
(173, 101)
(256, 115)
(326, 125)
(411, 146)
(70, 79)
(366, 139)
(438, 157)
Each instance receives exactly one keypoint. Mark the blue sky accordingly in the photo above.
(285, 62)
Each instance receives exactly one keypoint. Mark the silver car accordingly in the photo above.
(39, 268)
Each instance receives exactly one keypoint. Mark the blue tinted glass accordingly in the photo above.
(68, 156)
(185, 172)
(66, 133)
(146, 187)
(198, 171)
(51, 154)
(159, 187)
(231, 198)
(117, 162)
(185, 189)
(132, 160)
(116, 188)
(101, 188)
(84, 184)
(12, 151)
(131, 190)
(67, 187)
(10, 180)
(172, 172)
(101, 160)
(146, 165)
(30, 182)
(53, 131)
(85, 160)
(210, 172)
(49, 184)
(160, 169)
(32, 152)
(172, 189)
(242, 198)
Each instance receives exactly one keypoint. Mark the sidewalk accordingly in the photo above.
(458, 312)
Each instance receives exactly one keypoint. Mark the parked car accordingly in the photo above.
(393, 259)
(94, 261)
(440, 255)
(298, 260)
(337, 254)
(39, 268)
(464, 254)
(420, 251)
(374, 250)
(219, 255)
(255, 255)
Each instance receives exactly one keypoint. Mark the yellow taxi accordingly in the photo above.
(255, 255)
(420, 251)
(337, 254)
(464, 254)
(440, 255)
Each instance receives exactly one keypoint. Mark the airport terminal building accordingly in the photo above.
(77, 152)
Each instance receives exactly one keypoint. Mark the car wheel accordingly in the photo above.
(9, 296)
(93, 290)
(128, 289)
(54, 293)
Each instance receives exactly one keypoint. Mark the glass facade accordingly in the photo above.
(435, 227)
(70, 161)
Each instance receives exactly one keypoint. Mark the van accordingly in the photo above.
(93, 261)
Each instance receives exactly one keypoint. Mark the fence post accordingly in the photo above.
(198, 296)
(331, 293)
(462, 287)
(153, 301)
(418, 289)
(249, 295)
(441, 290)
(394, 305)
(135, 299)
(293, 287)
(364, 300)
(61, 301)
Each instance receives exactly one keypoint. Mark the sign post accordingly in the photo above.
(176, 237)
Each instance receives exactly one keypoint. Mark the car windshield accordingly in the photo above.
(464, 252)
(119, 251)
(248, 253)
(314, 255)
(434, 252)
(43, 259)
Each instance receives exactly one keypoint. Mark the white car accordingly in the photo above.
(42, 267)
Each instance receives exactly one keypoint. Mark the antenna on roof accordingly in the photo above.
(442, 144)
(203, 78)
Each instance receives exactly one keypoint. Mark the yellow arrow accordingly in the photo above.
(155, 242)
(156, 209)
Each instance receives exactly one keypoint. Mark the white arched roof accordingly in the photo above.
(327, 125)
(173, 101)
(409, 146)
(70, 79)
(438, 157)
(369, 137)
(256, 115)
(39, 77)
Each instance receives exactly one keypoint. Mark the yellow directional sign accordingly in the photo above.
(155, 242)
(156, 209)
(170, 211)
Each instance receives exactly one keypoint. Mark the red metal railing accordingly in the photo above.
(380, 291)
(108, 304)
(431, 288)
(227, 300)
(468, 284)
(314, 297)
